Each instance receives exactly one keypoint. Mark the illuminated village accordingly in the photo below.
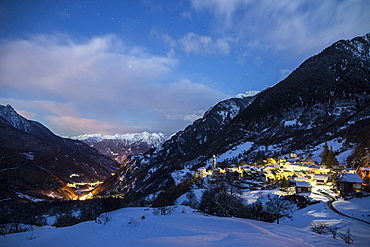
(292, 175)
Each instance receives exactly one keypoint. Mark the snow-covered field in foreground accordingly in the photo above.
(195, 229)
(356, 207)
(177, 229)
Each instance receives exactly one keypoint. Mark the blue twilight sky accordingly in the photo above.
(139, 65)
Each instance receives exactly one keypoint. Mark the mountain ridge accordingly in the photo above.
(120, 146)
(326, 97)
(38, 163)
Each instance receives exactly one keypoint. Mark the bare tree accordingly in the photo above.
(319, 228)
(278, 207)
(333, 231)
(222, 200)
(347, 237)
(165, 210)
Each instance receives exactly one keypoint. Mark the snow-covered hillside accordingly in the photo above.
(139, 227)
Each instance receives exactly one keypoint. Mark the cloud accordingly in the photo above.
(76, 126)
(98, 81)
(46, 106)
(199, 44)
(186, 15)
(25, 114)
(185, 100)
(299, 27)
(72, 70)
(284, 73)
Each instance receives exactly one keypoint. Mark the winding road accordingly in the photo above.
(330, 205)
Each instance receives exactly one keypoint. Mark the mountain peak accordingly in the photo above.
(358, 46)
(129, 137)
(250, 93)
(120, 146)
(8, 109)
(14, 119)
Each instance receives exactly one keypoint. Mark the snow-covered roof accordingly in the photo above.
(350, 178)
(300, 179)
(320, 176)
(303, 184)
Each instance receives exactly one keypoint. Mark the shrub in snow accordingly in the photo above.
(255, 211)
(278, 207)
(300, 200)
(192, 200)
(322, 228)
(221, 200)
(347, 237)
(14, 228)
(92, 209)
(103, 219)
(66, 220)
(33, 236)
(166, 210)
(333, 231)
(319, 228)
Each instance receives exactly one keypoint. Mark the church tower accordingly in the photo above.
(214, 162)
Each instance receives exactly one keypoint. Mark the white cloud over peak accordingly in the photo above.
(96, 81)
(76, 125)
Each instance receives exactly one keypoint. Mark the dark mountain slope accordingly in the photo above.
(327, 97)
(35, 161)
(318, 99)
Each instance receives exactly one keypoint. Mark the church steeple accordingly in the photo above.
(214, 162)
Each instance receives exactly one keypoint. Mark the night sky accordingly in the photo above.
(130, 66)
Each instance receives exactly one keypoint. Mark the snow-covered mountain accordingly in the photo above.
(327, 98)
(120, 146)
(35, 162)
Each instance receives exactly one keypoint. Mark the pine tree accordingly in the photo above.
(284, 182)
(325, 154)
(331, 161)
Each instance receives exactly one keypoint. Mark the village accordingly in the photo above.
(293, 175)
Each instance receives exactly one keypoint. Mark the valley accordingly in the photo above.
(278, 156)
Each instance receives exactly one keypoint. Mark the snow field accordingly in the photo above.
(177, 229)
(321, 213)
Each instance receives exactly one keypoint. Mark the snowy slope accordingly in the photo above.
(322, 214)
(177, 229)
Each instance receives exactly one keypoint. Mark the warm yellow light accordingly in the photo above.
(85, 197)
